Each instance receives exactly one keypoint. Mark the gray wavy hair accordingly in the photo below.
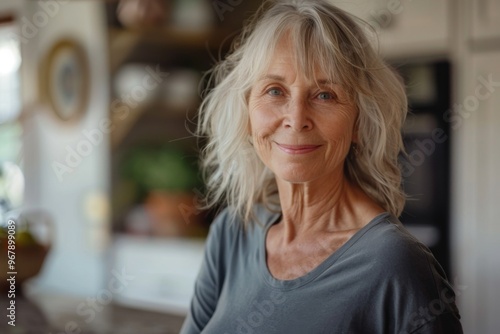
(324, 36)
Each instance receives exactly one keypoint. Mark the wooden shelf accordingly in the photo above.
(125, 41)
(154, 115)
(172, 50)
(171, 36)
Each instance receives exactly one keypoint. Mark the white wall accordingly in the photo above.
(76, 263)
(476, 155)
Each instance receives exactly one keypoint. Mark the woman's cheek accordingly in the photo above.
(262, 142)
(344, 145)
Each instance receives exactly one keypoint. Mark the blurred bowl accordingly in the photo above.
(33, 239)
(28, 263)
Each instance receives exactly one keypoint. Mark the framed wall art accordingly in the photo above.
(64, 80)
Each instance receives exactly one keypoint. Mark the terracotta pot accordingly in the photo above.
(173, 214)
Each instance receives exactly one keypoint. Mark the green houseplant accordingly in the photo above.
(165, 179)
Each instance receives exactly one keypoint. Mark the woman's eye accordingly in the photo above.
(274, 92)
(325, 96)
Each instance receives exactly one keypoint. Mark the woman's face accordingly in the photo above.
(301, 129)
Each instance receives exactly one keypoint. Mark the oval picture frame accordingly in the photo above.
(65, 80)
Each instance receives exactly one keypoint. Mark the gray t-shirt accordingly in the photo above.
(382, 280)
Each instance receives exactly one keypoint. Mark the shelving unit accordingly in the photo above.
(155, 123)
(170, 262)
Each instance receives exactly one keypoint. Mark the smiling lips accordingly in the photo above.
(297, 149)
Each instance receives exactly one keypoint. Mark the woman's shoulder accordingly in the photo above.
(388, 238)
(397, 255)
(406, 273)
(388, 248)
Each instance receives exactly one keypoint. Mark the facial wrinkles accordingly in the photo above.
(275, 119)
(261, 135)
(270, 114)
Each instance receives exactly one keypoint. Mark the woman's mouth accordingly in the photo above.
(297, 149)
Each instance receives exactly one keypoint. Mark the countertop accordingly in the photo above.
(57, 314)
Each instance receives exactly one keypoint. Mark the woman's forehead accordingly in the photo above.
(290, 57)
(283, 67)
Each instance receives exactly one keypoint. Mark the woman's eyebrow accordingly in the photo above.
(273, 77)
(276, 77)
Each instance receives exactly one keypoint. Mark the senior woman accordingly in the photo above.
(304, 131)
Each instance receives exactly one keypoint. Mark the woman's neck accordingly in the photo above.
(323, 206)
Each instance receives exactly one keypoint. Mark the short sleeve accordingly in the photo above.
(208, 282)
(418, 294)
(443, 324)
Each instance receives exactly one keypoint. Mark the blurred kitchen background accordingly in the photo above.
(98, 164)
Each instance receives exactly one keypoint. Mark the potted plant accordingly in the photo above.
(165, 179)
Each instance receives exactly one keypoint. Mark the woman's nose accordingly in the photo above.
(297, 116)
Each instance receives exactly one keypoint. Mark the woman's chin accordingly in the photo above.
(296, 177)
